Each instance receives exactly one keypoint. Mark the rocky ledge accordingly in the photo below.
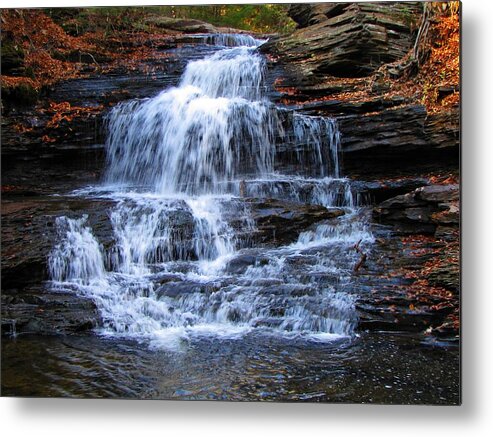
(30, 303)
(422, 210)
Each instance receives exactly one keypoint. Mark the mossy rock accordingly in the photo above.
(22, 95)
(12, 57)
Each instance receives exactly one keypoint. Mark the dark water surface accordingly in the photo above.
(377, 368)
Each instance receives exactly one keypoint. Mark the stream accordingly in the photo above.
(200, 294)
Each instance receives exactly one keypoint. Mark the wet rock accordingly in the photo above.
(29, 233)
(240, 263)
(391, 295)
(43, 311)
(177, 289)
(281, 222)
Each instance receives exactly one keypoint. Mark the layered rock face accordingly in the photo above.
(344, 39)
(401, 141)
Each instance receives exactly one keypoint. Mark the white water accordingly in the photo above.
(233, 40)
(178, 166)
(227, 39)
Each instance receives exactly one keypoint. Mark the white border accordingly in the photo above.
(94, 418)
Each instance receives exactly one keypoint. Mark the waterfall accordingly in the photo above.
(183, 260)
(213, 127)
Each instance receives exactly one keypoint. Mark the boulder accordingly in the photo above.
(438, 193)
(181, 25)
(423, 209)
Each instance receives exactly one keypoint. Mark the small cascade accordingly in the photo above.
(78, 257)
(328, 192)
(323, 135)
(233, 40)
(183, 259)
(225, 39)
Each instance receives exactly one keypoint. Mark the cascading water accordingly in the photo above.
(183, 260)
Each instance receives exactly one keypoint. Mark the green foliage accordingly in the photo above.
(264, 18)
(255, 17)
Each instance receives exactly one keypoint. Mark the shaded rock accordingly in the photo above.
(422, 214)
(378, 191)
(339, 107)
(22, 95)
(438, 193)
(446, 276)
(12, 56)
(403, 201)
(40, 311)
(449, 216)
(402, 127)
(399, 141)
(442, 129)
(306, 14)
